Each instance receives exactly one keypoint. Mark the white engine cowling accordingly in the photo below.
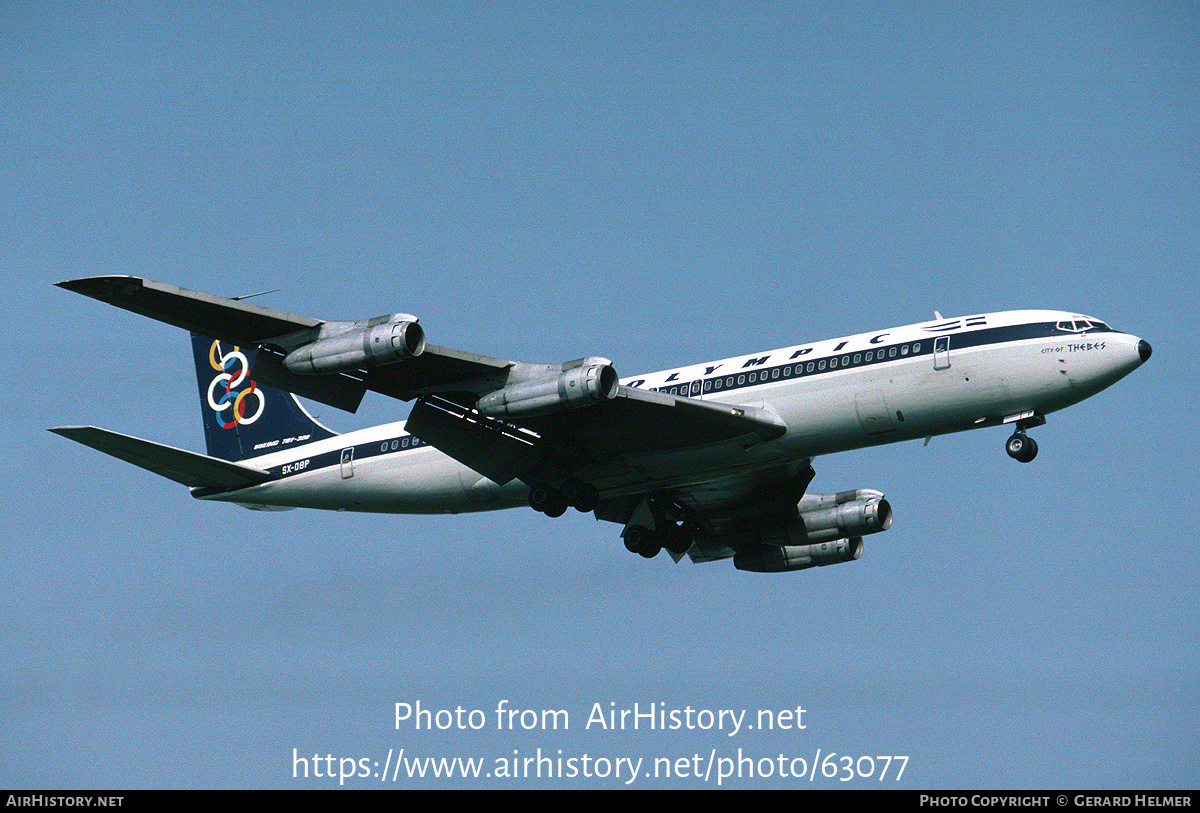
(785, 558)
(346, 346)
(825, 517)
(591, 382)
(827, 530)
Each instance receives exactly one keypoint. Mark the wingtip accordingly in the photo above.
(68, 431)
(93, 286)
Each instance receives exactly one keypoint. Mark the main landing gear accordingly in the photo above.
(675, 537)
(1020, 446)
(554, 502)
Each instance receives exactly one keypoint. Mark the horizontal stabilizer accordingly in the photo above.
(190, 469)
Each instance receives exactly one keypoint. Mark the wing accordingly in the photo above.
(229, 320)
(242, 323)
(505, 419)
(606, 443)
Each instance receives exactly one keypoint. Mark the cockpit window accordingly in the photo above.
(1081, 325)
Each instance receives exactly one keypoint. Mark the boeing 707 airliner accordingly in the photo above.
(709, 460)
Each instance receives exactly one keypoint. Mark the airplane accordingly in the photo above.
(712, 461)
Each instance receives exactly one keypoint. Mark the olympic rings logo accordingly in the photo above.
(222, 395)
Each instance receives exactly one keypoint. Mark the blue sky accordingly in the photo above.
(659, 184)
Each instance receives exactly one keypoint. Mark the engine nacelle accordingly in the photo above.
(828, 530)
(785, 558)
(580, 384)
(825, 517)
(345, 346)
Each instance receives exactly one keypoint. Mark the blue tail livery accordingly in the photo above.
(243, 418)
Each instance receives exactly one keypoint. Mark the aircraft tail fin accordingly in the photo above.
(243, 418)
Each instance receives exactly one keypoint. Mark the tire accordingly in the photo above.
(1021, 447)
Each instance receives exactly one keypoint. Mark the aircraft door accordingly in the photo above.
(697, 389)
(347, 463)
(941, 353)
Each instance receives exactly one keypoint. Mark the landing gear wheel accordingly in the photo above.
(649, 550)
(641, 540)
(1021, 447)
(679, 540)
(556, 505)
(582, 496)
(549, 501)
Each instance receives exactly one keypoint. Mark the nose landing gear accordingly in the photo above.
(1020, 446)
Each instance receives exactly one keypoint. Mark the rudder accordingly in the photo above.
(243, 418)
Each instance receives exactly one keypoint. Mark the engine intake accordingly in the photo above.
(345, 346)
(579, 384)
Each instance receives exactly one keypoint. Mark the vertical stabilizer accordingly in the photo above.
(243, 418)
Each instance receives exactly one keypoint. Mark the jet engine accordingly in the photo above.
(581, 383)
(827, 530)
(345, 346)
(783, 558)
(825, 517)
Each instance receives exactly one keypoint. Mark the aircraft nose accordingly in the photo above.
(1144, 350)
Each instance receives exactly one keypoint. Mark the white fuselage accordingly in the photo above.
(873, 388)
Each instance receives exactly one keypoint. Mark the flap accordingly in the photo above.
(636, 422)
(641, 421)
